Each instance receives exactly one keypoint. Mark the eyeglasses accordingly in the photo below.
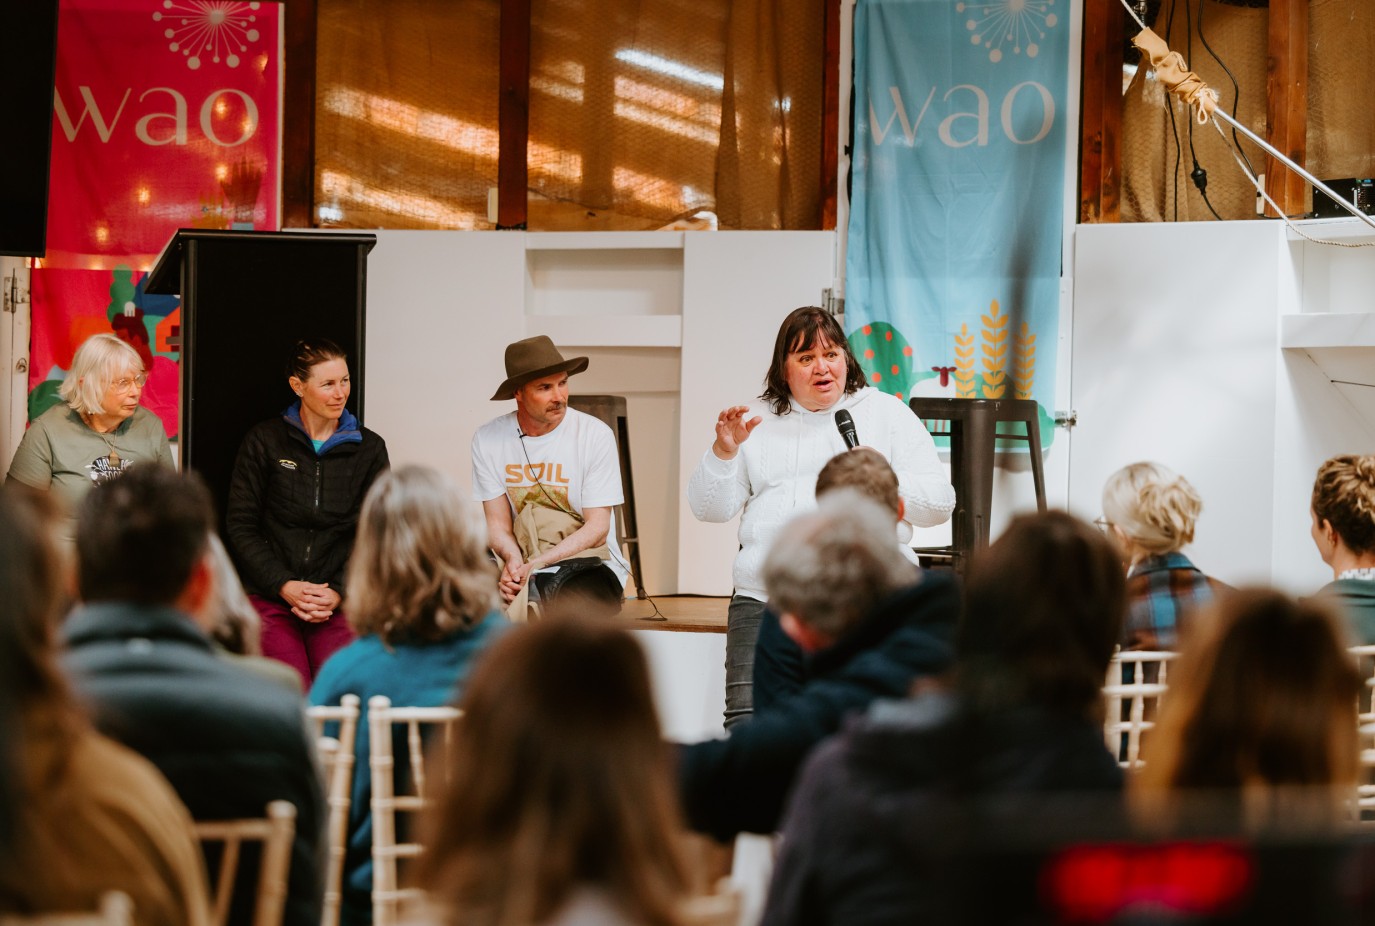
(125, 386)
(1102, 523)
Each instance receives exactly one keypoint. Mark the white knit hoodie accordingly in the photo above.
(773, 477)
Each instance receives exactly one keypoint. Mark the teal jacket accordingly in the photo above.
(411, 675)
(1357, 599)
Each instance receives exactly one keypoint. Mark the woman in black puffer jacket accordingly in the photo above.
(298, 485)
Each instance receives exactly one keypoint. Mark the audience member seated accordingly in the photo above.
(1261, 712)
(1023, 718)
(846, 595)
(1151, 512)
(79, 814)
(234, 626)
(227, 743)
(1343, 510)
(779, 663)
(422, 600)
(560, 807)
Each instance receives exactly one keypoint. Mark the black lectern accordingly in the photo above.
(246, 297)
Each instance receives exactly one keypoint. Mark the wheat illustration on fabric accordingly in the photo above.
(1024, 364)
(995, 352)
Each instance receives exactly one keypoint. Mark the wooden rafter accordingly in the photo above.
(1100, 114)
(298, 114)
(513, 115)
(1286, 107)
(830, 114)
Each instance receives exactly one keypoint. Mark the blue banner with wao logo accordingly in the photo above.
(954, 244)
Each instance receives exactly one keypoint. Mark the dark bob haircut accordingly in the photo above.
(800, 331)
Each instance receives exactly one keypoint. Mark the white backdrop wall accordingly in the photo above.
(1178, 358)
(682, 324)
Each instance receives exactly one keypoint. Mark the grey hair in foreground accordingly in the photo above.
(830, 567)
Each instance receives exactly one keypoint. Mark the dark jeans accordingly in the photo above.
(742, 629)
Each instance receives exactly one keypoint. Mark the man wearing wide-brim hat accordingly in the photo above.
(547, 476)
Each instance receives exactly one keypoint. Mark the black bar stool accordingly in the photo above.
(610, 410)
(972, 426)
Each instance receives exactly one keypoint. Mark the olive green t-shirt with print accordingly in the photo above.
(59, 451)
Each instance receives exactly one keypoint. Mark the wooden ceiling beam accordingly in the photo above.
(1100, 113)
(1286, 109)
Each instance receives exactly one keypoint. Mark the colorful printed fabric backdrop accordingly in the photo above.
(953, 266)
(166, 116)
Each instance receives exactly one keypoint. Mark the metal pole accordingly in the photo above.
(1317, 184)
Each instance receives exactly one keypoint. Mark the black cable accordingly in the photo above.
(1174, 130)
(1236, 88)
(1198, 175)
(1200, 178)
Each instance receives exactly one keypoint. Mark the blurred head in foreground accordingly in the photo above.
(1043, 609)
(1262, 707)
(559, 783)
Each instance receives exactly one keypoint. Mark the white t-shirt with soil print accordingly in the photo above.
(573, 467)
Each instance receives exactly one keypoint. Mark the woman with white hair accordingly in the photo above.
(1151, 511)
(100, 430)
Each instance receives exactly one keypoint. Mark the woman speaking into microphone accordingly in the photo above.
(766, 460)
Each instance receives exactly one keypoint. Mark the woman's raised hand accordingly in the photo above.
(732, 430)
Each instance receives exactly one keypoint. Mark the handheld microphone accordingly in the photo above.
(846, 425)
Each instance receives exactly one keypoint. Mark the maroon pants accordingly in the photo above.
(300, 644)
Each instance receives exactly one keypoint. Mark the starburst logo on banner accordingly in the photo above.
(220, 29)
(1018, 24)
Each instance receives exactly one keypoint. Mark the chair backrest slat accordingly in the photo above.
(115, 909)
(275, 831)
(338, 792)
(1136, 682)
(390, 796)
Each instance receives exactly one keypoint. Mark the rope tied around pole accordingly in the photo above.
(1171, 71)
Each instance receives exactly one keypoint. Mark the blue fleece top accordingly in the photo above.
(411, 675)
(347, 431)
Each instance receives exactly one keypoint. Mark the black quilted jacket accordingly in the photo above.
(292, 513)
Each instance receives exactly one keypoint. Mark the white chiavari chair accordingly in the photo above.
(1136, 682)
(391, 798)
(275, 831)
(338, 765)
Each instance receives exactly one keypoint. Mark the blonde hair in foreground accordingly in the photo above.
(1262, 703)
(1153, 505)
(559, 781)
(419, 569)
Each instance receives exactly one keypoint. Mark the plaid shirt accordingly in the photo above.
(1162, 594)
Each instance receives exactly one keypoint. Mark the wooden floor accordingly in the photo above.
(691, 613)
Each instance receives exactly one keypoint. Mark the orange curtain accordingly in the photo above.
(405, 113)
(642, 114)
